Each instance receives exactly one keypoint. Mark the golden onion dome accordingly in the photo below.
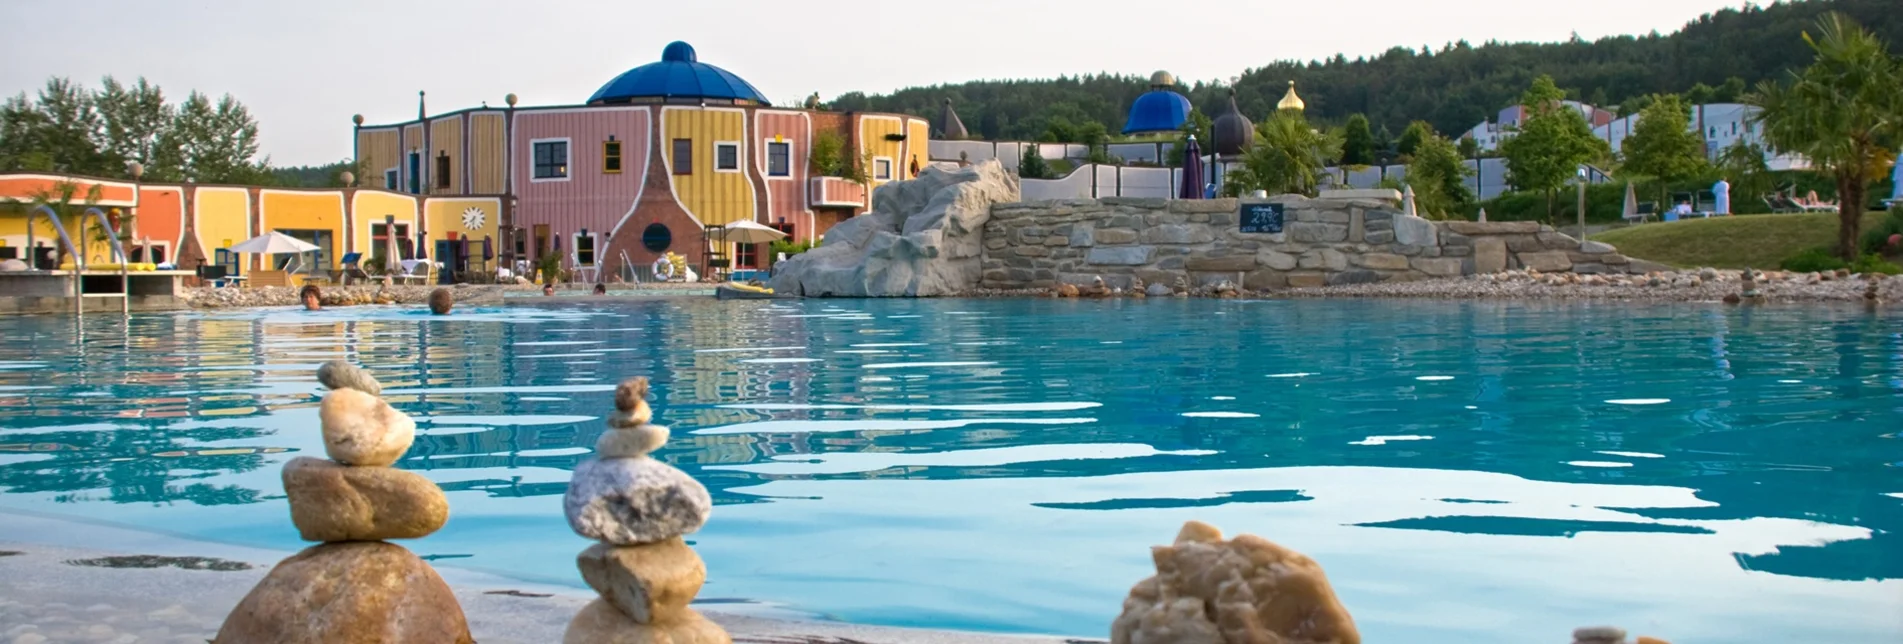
(1290, 101)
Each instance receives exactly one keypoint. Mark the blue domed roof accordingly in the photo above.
(679, 75)
(1157, 110)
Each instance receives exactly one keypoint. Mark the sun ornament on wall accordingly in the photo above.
(473, 218)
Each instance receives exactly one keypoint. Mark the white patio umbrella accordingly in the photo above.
(273, 243)
(748, 232)
(1631, 210)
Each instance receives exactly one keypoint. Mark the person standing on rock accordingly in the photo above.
(311, 297)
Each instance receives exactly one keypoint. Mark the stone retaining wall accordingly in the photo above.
(1343, 237)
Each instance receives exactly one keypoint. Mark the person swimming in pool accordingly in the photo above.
(548, 290)
(601, 289)
(312, 298)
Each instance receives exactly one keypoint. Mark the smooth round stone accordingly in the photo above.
(632, 442)
(361, 429)
(332, 502)
(601, 623)
(649, 582)
(337, 374)
(631, 394)
(348, 592)
(629, 419)
(631, 501)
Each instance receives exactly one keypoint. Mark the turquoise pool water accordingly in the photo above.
(1466, 472)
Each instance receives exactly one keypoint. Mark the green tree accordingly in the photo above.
(1357, 142)
(1839, 113)
(1198, 126)
(830, 159)
(1469, 149)
(1663, 145)
(1411, 139)
(1742, 163)
(132, 120)
(1289, 156)
(1439, 178)
(54, 131)
(1032, 165)
(1383, 145)
(1551, 144)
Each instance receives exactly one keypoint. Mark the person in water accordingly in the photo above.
(601, 289)
(548, 289)
(312, 298)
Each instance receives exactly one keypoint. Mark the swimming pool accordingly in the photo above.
(1465, 471)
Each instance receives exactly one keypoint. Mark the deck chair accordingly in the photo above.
(352, 268)
(260, 279)
(1810, 203)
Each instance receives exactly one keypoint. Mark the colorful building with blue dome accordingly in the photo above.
(1160, 110)
(659, 159)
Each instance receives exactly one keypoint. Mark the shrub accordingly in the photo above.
(1812, 260)
(1874, 264)
(1876, 240)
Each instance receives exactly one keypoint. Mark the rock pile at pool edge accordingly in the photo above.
(1244, 590)
(354, 587)
(639, 509)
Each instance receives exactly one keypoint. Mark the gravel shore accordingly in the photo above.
(413, 294)
(1700, 285)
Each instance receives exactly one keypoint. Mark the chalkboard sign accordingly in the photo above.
(1261, 217)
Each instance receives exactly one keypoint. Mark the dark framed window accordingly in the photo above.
(380, 237)
(551, 159)
(727, 157)
(585, 249)
(611, 157)
(882, 169)
(389, 179)
(442, 170)
(779, 159)
(416, 173)
(683, 156)
(656, 238)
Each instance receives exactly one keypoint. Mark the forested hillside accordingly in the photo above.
(1453, 86)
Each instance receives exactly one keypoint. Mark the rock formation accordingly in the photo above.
(639, 509)
(353, 587)
(1246, 590)
(923, 238)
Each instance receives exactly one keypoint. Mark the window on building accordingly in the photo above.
(521, 244)
(611, 157)
(882, 169)
(316, 262)
(585, 249)
(683, 156)
(656, 238)
(389, 179)
(779, 159)
(727, 157)
(138, 254)
(416, 173)
(381, 241)
(442, 169)
(541, 240)
(551, 159)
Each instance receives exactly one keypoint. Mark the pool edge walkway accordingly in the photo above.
(44, 593)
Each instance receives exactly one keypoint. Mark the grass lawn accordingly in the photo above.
(1756, 241)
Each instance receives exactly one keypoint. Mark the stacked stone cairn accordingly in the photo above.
(354, 586)
(638, 508)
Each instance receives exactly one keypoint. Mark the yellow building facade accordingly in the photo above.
(707, 155)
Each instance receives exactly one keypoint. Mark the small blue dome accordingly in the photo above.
(679, 75)
(1157, 110)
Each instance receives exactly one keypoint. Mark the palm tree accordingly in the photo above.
(1839, 113)
(1289, 156)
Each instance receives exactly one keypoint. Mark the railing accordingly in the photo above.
(836, 192)
(79, 255)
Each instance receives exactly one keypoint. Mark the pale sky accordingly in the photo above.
(304, 68)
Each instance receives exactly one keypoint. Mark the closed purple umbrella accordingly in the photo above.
(488, 251)
(1192, 187)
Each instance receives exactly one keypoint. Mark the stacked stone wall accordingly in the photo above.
(1343, 237)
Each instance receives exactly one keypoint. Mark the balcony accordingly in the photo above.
(834, 192)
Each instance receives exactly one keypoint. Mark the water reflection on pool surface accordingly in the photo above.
(1466, 472)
